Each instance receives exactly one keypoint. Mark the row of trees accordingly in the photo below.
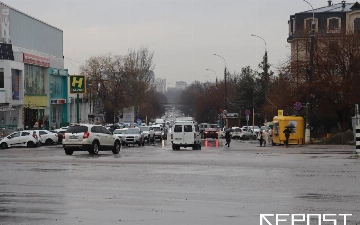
(117, 81)
(333, 91)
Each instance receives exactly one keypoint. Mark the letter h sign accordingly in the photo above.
(77, 84)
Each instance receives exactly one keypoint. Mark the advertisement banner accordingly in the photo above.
(128, 115)
(77, 84)
(5, 24)
(15, 84)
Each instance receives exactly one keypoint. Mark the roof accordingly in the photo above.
(334, 8)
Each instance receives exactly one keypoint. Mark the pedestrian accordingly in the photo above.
(287, 135)
(227, 138)
(265, 136)
(260, 138)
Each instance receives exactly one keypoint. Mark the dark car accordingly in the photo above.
(211, 133)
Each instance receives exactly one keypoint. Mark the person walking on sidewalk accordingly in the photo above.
(260, 138)
(265, 136)
(287, 132)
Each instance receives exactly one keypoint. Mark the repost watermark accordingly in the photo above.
(304, 219)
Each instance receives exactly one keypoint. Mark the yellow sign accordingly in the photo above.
(77, 84)
(280, 112)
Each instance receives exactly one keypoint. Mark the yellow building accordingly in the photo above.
(296, 124)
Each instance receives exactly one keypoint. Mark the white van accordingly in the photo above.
(185, 133)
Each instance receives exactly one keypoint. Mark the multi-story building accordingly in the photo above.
(160, 85)
(181, 85)
(332, 19)
(33, 81)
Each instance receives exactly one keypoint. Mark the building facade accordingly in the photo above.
(330, 20)
(160, 85)
(181, 85)
(34, 91)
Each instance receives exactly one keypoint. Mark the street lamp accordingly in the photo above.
(310, 72)
(265, 62)
(225, 90)
(215, 75)
(266, 77)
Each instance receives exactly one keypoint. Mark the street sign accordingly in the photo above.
(247, 117)
(247, 112)
(280, 112)
(297, 105)
(77, 84)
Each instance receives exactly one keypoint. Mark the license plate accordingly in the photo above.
(177, 138)
(73, 137)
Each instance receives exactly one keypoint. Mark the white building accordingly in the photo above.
(181, 85)
(160, 85)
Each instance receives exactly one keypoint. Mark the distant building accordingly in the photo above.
(181, 85)
(160, 85)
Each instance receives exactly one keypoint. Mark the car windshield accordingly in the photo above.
(119, 131)
(144, 128)
(237, 130)
(77, 129)
(156, 128)
(132, 131)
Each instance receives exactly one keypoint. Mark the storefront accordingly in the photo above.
(35, 97)
(58, 98)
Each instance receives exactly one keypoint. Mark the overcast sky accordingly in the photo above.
(183, 34)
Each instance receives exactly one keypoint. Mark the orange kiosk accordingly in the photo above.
(296, 125)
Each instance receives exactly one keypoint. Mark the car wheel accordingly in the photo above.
(194, 147)
(143, 143)
(30, 144)
(49, 142)
(4, 145)
(95, 148)
(69, 152)
(174, 147)
(139, 143)
(117, 147)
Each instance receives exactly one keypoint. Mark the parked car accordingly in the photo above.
(90, 137)
(133, 136)
(47, 137)
(25, 138)
(242, 133)
(210, 133)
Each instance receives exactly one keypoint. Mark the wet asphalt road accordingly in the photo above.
(156, 185)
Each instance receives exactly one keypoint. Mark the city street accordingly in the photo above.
(156, 185)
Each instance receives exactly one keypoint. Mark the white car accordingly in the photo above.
(91, 138)
(20, 139)
(61, 129)
(133, 136)
(146, 131)
(46, 137)
(242, 133)
(120, 133)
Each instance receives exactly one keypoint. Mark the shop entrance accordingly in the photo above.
(33, 116)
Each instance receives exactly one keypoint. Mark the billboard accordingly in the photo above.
(77, 84)
(128, 115)
(5, 24)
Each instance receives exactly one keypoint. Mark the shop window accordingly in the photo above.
(1, 78)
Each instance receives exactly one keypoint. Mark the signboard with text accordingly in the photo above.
(77, 84)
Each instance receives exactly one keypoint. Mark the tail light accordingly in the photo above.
(194, 135)
(206, 132)
(216, 132)
(34, 136)
(63, 135)
(86, 135)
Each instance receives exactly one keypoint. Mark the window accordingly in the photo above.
(42, 132)
(25, 134)
(178, 128)
(357, 25)
(333, 24)
(1, 78)
(187, 128)
(77, 129)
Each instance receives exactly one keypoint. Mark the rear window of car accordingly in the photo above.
(178, 128)
(187, 128)
(77, 129)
